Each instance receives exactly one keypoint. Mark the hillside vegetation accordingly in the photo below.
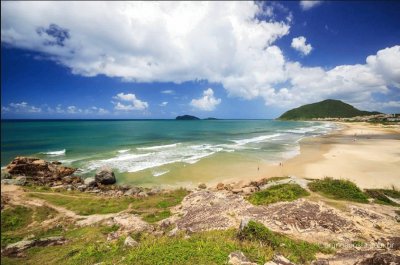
(329, 108)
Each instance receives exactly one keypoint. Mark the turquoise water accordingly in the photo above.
(151, 148)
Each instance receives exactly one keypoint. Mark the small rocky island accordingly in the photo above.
(187, 118)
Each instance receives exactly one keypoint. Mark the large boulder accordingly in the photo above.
(105, 176)
(17, 249)
(37, 168)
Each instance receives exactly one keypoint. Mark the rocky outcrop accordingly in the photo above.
(279, 260)
(38, 171)
(17, 249)
(105, 176)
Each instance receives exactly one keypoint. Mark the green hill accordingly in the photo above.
(329, 108)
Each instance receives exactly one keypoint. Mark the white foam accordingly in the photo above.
(123, 151)
(55, 153)
(257, 139)
(157, 147)
(157, 173)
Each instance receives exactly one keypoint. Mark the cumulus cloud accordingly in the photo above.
(163, 104)
(133, 102)
(22, 107)
(307, 5)
(206, 103)
(300, 45)
(221, 42)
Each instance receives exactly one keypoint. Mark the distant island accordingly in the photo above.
(326, 109)
(187, 118)
(211, 118)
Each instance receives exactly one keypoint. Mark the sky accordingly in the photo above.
(150, 60)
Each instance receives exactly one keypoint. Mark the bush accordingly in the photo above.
(277, 193)
(381, 196)
(297, 251)
(339, 189)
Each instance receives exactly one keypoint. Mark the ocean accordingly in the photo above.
(158, 152)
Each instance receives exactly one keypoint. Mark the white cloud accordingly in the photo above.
(168, 91)
(154, 41)
(22, 107)
(206, 103)
(300, 45)
(73, 110)
(134, 103)
(221, 42)
(306, 5)
(163, 104)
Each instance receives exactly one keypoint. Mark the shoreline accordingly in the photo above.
(364, 153)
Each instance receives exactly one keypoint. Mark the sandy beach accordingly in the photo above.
(364, 153)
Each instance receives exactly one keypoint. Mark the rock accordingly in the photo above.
(90, 182)
(20, 181)
(248, 190)
(381, 259)
(16, 249)
(279, 260)
(220, 186)
(5, 175)
(56, 163)
(238, 258)
(130, 242)
(82, 187)
(244, 223)
(165, 223)
(154, 191)
(58, 187)
(132, 191)
(112, 236)
(236, 191)
(38, 170)
(173, 232)
(202, 186)
(105, 176)
(142, 194)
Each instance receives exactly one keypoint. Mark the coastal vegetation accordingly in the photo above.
(329, 108)
(384, 196)
(338, 189)
(153, 208)
(277, 193)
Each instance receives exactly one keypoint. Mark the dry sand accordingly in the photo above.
(367, 154)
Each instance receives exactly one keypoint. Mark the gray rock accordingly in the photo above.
(279, 260)
(16, 249)
(112, 236)
(90, 182)
(238, 258)
(20, 181)
(132, 191)
(105, 176)
(243, 223)
(142, 194)
(173, 232)
(82, 187)
(130, 242)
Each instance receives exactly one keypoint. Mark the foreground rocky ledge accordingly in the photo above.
(209, 209)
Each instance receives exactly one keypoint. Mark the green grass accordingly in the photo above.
(15, 218)
(299, 252)
(15, 222)
(87, 204)
(338, 189)
(381, 196)
(277, 193)
(156, 216)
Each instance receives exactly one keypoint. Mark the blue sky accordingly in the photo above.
(225, 60)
